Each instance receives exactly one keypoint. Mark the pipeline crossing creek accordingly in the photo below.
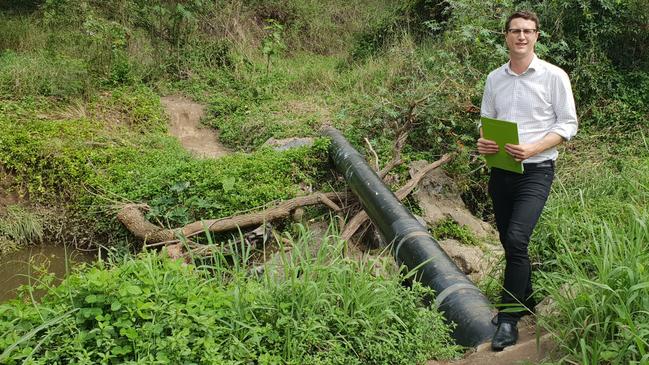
(456, 296)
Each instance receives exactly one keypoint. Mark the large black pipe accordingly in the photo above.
(456, 296)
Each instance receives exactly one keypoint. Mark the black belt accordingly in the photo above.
(535, 165)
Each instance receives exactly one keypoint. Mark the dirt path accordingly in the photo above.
(532, 348)
(185, 116)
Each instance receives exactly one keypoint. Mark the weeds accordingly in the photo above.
(323, 309)
(19, 226)
(448, 228)
(601, 298)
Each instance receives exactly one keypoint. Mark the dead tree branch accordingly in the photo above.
(376, 157)
(403, 125)
(131, 216)
(361, 217)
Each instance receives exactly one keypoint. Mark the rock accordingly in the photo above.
(467, 258)
(548, 306)
(287, 143)
(440, 199)
(474, 261)
(421, 220)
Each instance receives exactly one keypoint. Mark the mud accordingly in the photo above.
(184, 124)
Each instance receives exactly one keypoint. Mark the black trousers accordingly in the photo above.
(518, 200)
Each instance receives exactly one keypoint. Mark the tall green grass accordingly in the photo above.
(593, 242)
(19, 226)
(602, 296)
(21, 33)
(596, 182)
(315, 307)
(42, 74)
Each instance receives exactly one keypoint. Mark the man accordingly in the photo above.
(537, 96)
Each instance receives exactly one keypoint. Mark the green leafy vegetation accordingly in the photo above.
(97, 166)
(318, 309)
(81, 126)
(448, 228)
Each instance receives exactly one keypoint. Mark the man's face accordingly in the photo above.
(520, 44)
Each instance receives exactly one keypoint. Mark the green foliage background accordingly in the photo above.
(81, 124)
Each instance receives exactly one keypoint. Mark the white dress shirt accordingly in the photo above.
(539, 100)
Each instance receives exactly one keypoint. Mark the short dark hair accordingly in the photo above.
(527, 15)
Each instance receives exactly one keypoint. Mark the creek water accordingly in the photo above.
(18, 268)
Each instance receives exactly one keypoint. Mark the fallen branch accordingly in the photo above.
(361, 217)
(131, 216)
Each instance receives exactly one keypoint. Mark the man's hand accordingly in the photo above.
(487, 147)
(522, 152)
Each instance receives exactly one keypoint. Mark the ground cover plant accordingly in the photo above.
(97, 166)
(316, 309)
(81, 124)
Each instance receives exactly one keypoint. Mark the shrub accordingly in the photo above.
(417, 18)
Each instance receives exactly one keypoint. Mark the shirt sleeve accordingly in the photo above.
(487, 108)
(563, 103)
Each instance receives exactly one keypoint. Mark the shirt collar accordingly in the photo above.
(533, 67)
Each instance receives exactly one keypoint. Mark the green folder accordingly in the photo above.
(502, 132)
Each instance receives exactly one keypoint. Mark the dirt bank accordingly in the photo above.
(185, 116)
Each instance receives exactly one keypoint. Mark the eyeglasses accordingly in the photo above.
(527, 32)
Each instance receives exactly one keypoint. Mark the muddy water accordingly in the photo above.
(18, 268)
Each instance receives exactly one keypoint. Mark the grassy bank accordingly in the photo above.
(322, 309)
(81, 126)
(93, 164)
(593, 242)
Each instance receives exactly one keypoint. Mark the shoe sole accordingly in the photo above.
(500, 348)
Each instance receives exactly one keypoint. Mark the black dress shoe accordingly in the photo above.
(506, 335)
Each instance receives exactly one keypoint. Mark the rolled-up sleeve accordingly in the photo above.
(564, 107)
